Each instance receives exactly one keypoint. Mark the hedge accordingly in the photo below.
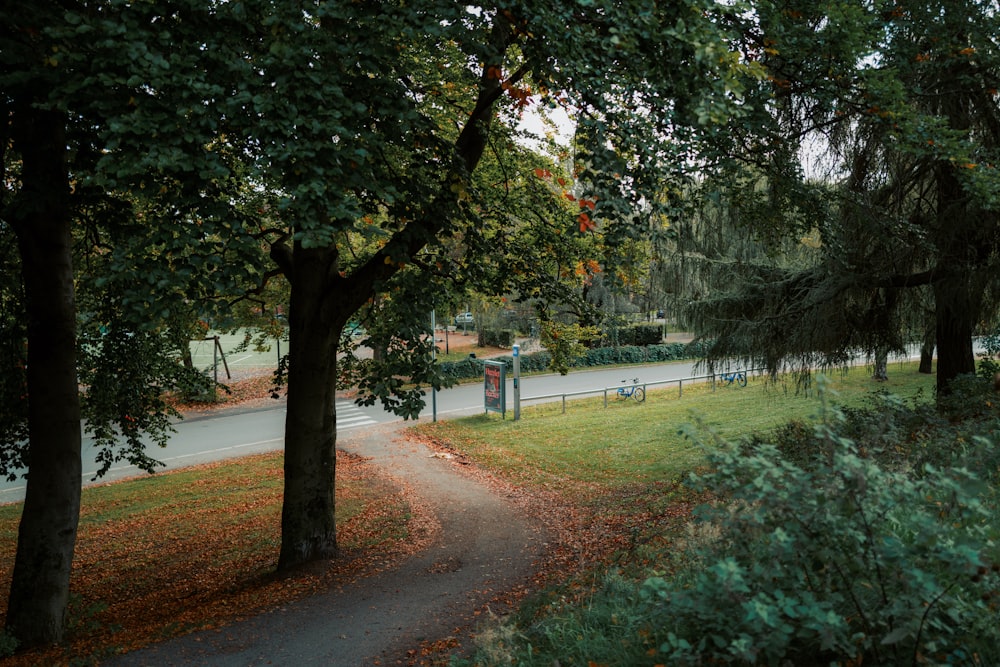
(636, 334)
(496, 338)
(468, 369)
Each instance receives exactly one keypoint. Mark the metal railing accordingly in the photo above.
(614, 390)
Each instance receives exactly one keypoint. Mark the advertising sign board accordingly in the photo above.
(494, 386)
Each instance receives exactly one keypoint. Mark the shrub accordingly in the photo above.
(840, 560)
(464, 369)
(837, 560)
(468, 369)
(636, 334)
(565, 342)
(496, 338)
(988, 365)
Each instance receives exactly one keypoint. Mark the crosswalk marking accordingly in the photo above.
(350, 415)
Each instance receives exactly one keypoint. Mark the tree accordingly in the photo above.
(338, 119)
(897, 99)
(412, 120)
(68, 204)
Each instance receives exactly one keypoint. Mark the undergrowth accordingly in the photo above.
(868, 538)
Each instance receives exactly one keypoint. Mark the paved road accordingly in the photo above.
(239, 432)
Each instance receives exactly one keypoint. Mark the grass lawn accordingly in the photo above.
(629, 443)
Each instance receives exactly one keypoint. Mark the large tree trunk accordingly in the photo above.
(39, 591)
(307, 522)
(927, 350)
(880, 371)
(957, 309)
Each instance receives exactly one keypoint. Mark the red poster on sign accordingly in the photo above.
(494, 386)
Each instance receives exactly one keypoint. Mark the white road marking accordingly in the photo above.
(350, 416)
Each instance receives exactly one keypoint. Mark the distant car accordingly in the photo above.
(464, 318)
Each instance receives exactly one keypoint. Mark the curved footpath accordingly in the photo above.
(485, 546)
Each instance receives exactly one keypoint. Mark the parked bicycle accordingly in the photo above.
(635, 392)
(739, 377)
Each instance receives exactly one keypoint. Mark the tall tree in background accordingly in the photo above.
(896, 105)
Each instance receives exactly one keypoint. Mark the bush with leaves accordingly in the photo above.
(565, 342)
(468, 369)
(957, 430)
(840, 560)
(635, 334)
(497, 338)
(988, 364)
(834, 559)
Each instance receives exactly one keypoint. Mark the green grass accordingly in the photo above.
(628, 443)
(203, 353)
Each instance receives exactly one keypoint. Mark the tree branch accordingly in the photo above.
(469, 147)
(281, 254)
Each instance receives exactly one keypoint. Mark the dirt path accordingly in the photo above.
(481, 547)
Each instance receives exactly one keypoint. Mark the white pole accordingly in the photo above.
(517, 381)
(434, 395)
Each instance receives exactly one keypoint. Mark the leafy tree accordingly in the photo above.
(897, 100)
(76, 216)
(186, 120)
(565, 342)
(413, 123)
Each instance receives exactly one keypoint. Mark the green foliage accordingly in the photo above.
(397, 329)
(603, 356)
(125, 374)
(798, 259)
(988, 364)
(846, 560)
(496, 337)
(636, 334)
(565, 342)
(850, 553)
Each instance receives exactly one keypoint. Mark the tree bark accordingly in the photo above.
(881, 370)
(308, 531)
(956, 310)
(47, 534)
(927, 351)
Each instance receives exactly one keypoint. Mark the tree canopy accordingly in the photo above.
(195, 136)
(873, 135)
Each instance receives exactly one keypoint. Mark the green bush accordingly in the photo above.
(841, 560)
(988, 364)
(834, 557)
(468, 369)
(465, 369)
(496, 338)
(635, 334)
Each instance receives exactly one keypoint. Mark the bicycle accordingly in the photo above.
(739, 377)
(635, 392)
